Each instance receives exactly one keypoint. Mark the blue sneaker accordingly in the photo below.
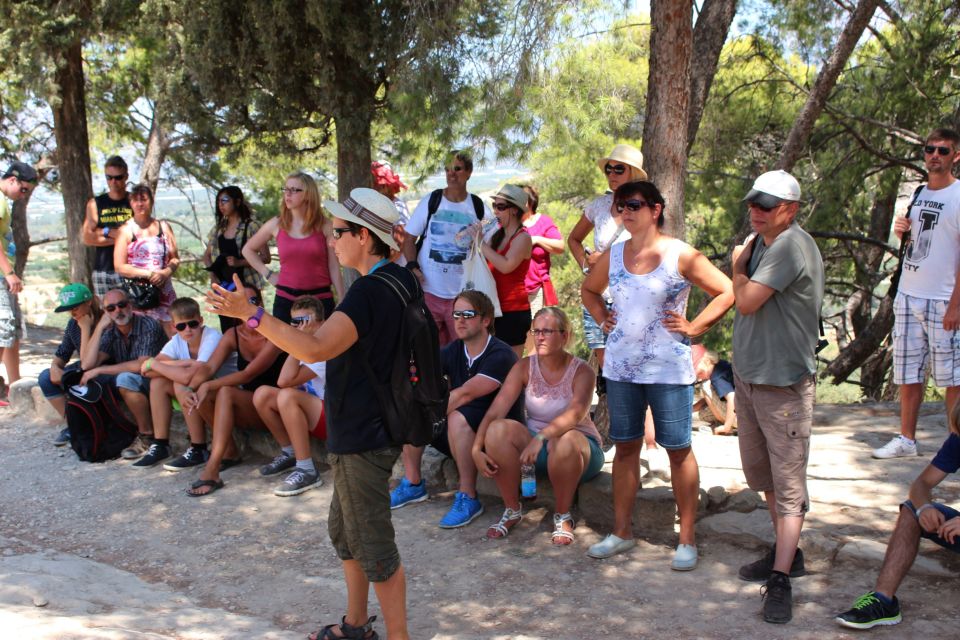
(462, 513)
(407, 493)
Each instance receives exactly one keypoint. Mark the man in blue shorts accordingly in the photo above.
(920, 517)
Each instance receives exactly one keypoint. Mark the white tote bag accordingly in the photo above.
(477, 276)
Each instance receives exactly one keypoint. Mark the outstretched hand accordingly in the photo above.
(233, 304)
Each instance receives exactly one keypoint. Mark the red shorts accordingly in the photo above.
(320, 429)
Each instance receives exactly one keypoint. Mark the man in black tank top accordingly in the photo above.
(105, 213)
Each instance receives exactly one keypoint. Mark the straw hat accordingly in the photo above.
(626, 154)
(514, 195)
(369, 209)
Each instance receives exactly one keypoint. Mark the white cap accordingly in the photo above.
(772, 188)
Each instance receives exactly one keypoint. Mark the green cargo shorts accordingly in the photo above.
(359, 524)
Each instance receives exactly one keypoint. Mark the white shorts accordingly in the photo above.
(919, 338)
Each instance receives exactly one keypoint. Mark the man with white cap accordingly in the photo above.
(778, 282)
(927, 306)
(362, 334)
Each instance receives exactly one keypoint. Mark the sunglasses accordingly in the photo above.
(110, 308)
(289, 191)
(193, 324)
(300, 320)
(254, 300)
(618, 169)
(455, 169)
(545, 333)
(930, 148)
(503, 206)
(754, 205)
(466, 314)
(226, 199)
(118, 177)
(633, 205)
(339, 231)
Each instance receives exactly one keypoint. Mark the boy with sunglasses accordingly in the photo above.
(293, 410)
(169, 373)
(927, 306)
(104, 215)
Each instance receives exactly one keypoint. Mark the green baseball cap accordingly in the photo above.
(73, 295)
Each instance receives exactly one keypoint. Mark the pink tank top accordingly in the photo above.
(303, 266)
(544, 401)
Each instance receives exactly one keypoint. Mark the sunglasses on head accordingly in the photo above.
(193, 324)
(930, 148)
(339, 231)
(466, 314)
(123, 304)
(300, 320)
(633, 205)
(618, 169)
(121, 176)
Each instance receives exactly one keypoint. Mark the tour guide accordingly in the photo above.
(365, 326)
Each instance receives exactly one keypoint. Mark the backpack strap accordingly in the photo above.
(406, 296)
(432, 205)
(477, 206)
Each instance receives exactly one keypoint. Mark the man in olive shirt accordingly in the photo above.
(778, 282)
(105, 213)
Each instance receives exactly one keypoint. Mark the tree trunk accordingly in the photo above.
(157, 146)
(865, 345)
(709, 34)
(21, 235)
(353, 163)
(826, 80)
(668, 103)
(73, 158)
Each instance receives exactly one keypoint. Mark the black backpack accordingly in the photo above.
(434, 203)
(414, 400)
(99, 430)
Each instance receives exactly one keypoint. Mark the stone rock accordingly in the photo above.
(20, 394)
(739, 528)
(745, 501)
(871, 553)
(715, 497)
(40, 601)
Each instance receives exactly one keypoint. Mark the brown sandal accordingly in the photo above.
(349, 631)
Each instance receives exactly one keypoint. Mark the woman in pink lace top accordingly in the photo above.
(559, 436)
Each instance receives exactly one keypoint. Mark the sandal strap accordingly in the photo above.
(558, 530)
(508, 516)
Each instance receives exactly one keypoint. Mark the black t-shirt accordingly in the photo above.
(110, 215)
(354, 420)
(722, 378)
(495, 362)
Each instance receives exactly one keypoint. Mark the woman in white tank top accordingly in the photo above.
(648, 361)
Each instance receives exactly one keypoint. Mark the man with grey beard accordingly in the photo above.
(123, 340)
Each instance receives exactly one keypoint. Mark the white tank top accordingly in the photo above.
(640, 349)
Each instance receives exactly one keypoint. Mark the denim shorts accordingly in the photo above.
(592, 333)
(671, 404)
(948, 513)
(49, 389)
(133, 382)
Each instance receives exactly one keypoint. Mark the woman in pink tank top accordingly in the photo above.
(559, 437)
(302, 233)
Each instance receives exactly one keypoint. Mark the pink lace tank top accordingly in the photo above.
(304, 269)
(545, 401)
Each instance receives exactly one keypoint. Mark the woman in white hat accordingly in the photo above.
(363, 332)
(508, 255)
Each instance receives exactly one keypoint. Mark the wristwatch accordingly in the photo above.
(254, 321)
(413, 264)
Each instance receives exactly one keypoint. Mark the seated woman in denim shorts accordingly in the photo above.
(559, 436)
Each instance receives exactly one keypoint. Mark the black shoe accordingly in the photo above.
(777, 599)
(869, 611)
(62, 438)
(154, 455)
(760, 570)
(192, 457)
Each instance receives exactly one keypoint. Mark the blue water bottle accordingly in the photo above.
(528, 481)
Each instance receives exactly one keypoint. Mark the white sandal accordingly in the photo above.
(500, 529)
(559, 532)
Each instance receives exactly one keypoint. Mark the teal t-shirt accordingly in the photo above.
(776, 344)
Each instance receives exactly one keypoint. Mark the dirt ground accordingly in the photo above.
(109, 551)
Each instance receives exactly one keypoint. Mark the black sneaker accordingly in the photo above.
(281, 463)
(760, 570)
(777, 599)
(62, 438)
(156, 453)
(192, 457)
(297, 482)
(869, 611)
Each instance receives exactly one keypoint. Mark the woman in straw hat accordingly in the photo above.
(364, 330)
(508, 256)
